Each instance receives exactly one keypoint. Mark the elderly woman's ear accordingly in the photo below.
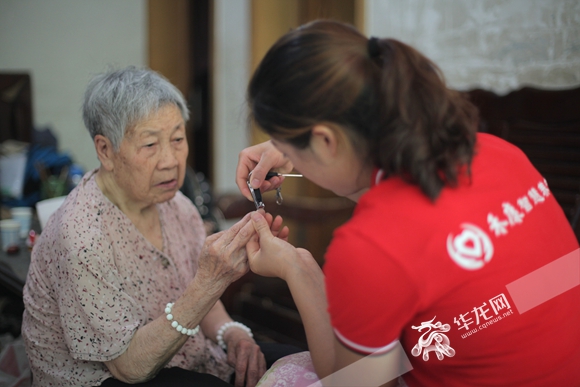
(105, 151)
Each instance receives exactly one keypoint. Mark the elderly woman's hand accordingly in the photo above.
(223, 258)
(245, 356)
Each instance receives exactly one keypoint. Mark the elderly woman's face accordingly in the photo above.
(150, 165)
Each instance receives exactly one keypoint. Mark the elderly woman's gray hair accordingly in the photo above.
(118, 100)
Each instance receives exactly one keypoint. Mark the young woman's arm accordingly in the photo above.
(273, 257)
(370, 370)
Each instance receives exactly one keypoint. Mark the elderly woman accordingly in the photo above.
(123, 285)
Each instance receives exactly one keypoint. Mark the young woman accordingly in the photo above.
(452, 231)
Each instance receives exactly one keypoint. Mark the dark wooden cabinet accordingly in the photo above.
(545, 124)
(15, 107)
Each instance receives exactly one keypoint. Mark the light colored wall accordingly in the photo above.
(494, 44)
(231, 72)
(62, 43)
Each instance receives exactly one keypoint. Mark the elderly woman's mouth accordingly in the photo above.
(168, 184)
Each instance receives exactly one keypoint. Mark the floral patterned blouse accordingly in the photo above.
(94, 280)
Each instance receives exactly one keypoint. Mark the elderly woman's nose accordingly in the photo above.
(168, 157)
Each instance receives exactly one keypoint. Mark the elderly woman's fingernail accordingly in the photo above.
(255, 183)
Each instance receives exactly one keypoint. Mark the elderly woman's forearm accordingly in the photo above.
(216, 317)
(155, 344)
(150, 349)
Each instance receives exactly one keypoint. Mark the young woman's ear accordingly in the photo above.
(105, 151)
(324, 141)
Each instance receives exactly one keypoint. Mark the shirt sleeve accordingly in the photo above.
(98, 317)
(370, 297)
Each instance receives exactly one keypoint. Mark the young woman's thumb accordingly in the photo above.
(260, 224)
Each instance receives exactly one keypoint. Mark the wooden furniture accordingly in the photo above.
(545, 124)
(15, 107)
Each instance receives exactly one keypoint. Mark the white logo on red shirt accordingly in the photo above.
(535, 196)
(436, 341)
(471, 249)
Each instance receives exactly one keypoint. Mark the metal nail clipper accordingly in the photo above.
(257, 195)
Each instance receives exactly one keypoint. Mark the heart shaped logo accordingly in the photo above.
(471, 249)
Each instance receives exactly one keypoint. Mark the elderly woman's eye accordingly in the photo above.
(150, 145)
(179, 139)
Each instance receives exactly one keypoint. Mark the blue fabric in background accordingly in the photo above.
(51, 160)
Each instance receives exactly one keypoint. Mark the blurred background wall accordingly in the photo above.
(62, 43)
(498, 45)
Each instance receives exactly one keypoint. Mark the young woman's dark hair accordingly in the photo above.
(390, 99)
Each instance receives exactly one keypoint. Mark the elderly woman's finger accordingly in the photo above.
(224, 258)
(241, 366)
(263, 364)
(248, 362)
(256, 367)
(227, 236)
(243, 236)
(234, 229)
(238, 359)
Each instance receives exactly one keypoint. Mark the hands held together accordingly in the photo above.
(258, 242)
(225, 255)
(224, 259)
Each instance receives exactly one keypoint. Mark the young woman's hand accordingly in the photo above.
(269, 253)
(275, 225)
(260, 159)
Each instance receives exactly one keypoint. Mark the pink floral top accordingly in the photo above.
(94, 280)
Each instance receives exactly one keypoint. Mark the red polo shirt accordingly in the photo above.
(406, 268)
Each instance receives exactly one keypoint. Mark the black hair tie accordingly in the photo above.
(373, 47)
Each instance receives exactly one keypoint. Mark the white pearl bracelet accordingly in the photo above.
(228, 325)
(176, 325)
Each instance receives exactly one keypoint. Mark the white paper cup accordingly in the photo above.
(9, 231)
(45, 208)
(22, 215)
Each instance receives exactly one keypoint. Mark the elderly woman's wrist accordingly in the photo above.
(207, 287)
(233, 331)
(183, 329)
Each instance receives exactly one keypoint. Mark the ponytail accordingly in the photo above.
(426, 131)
